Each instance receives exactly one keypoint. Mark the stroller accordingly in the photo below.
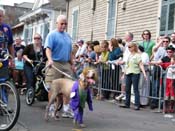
(39, 89)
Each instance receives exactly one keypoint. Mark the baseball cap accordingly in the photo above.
(80, 41)
(170, 48)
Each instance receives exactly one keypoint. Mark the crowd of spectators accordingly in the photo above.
(151, 57)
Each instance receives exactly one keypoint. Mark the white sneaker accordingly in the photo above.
(120, 97)
(51, 110)
(70, 115)
(124, 98)
(67, 115)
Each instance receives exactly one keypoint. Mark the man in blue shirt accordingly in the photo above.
(58, 46)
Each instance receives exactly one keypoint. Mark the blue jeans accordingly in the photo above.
(132, 79)
(4, 95)
(4, 75)
(28, 71)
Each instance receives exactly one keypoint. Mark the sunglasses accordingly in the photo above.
(169, 51)
(63, 23)
(166, 41)
(37, 38)
(130, 46)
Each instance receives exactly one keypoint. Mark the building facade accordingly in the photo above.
(105, 19)
(41, 19)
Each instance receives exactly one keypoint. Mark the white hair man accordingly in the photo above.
(128, 39)
(58, 46)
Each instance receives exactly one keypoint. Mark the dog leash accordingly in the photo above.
(69, 76)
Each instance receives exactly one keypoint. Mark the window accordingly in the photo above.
(30, 35)
(167, 17)
(163, 18)
(42, 30)
(26, 33)
(171, 17)
(74, 24)
(111, 19)
(46, 31)
(36, 29)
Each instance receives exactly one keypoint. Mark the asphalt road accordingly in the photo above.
(105, 117)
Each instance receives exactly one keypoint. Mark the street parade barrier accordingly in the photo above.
(157, 86)
(109, 81)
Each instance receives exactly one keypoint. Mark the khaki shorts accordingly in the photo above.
(52, 74)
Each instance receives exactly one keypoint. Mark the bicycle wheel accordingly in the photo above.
(30, 96)
(9, 106)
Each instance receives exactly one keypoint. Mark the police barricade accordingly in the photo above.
(169, 90)
(109, 81)
(110, 75)
(109, 78)
(157, 87)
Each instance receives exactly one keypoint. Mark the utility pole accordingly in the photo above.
(92, 20)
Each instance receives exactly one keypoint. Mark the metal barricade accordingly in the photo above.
(109, 78)
(110, 75)
(157, 87)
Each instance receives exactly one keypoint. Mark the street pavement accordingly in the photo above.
(106, 116)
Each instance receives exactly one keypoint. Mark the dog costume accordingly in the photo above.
(78, 99)
(73, 93)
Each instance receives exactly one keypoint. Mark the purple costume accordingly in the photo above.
(75, 102)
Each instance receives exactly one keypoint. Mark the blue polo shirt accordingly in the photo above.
(60, 44)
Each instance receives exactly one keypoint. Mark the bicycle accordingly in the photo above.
(9, 99)
(39, 90)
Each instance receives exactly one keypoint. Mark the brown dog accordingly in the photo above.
(61, 88)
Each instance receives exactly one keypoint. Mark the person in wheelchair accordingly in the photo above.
(33, 54)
